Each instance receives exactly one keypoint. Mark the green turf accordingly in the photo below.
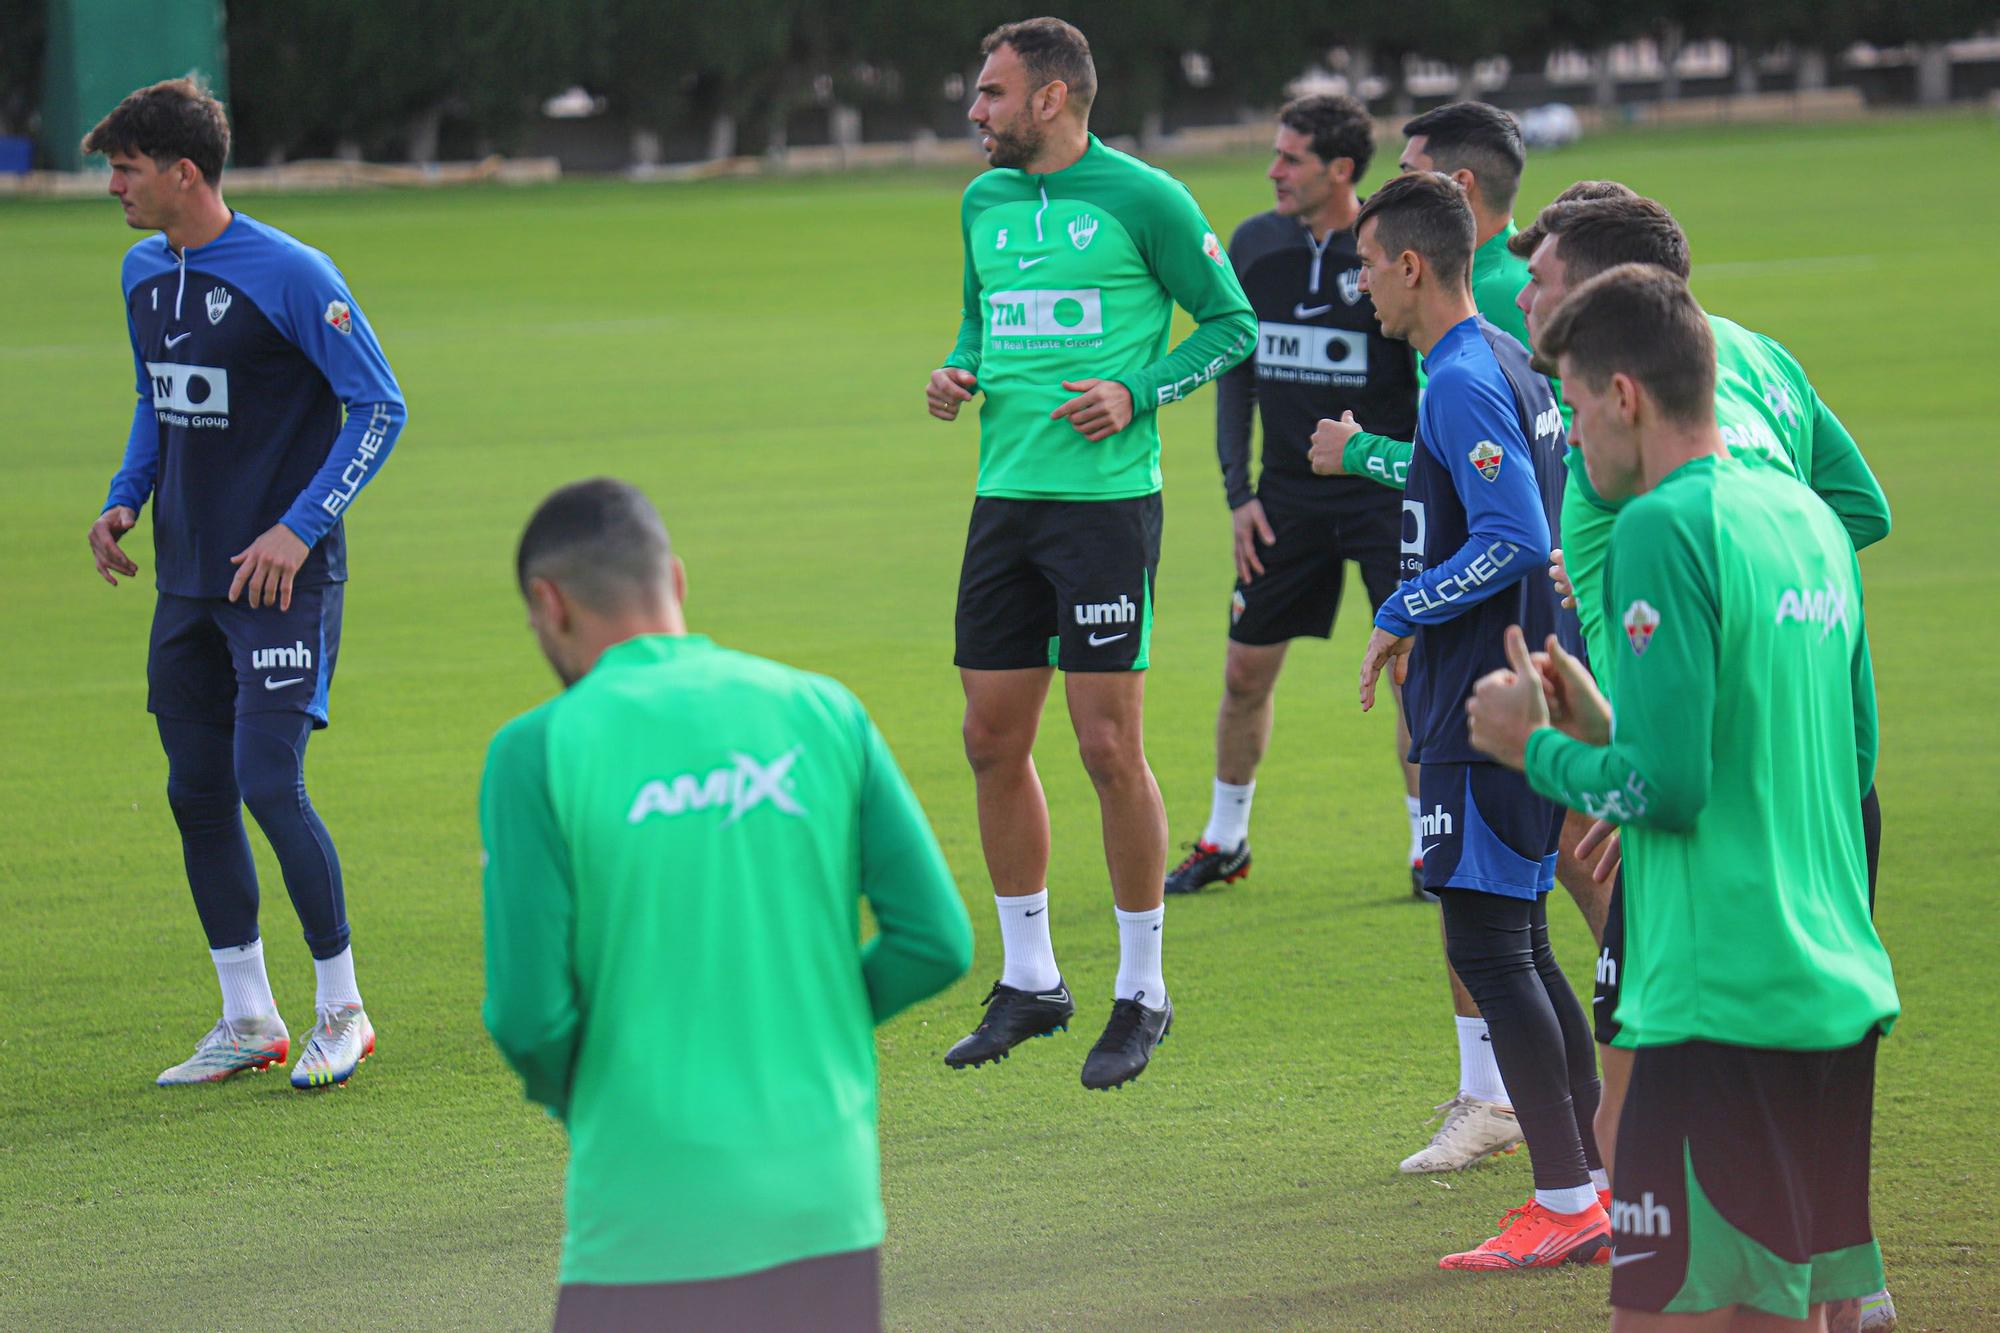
(753, 353)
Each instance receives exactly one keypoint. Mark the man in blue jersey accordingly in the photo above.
(264, 406)
(1484, 484)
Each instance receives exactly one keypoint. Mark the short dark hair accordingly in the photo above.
(1475, 137)
(1424, 211)
(1338, 125)
(601, 539)
(1638, 320)
(171, 120)
(1523, 242)
(1050, 49)
(1601, 234)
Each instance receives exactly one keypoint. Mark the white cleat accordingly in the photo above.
(341, 1039)
(1878, 1313)
(230, 1049)
(1473, 1129)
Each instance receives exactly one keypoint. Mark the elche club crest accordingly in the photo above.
(1082, 230)
(1212, 247)
(338, 315)
(1640, 622)
(1349, 285)
(218, 304)
(1486, 456)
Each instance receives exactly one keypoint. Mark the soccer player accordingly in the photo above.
(1754, 985)
(1319, 353)
(1075, 256)
(677, 847)
(1480, 147)
(264, 406)
(1477, 513)
(1768, 412)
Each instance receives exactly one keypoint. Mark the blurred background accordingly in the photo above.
(647, 85)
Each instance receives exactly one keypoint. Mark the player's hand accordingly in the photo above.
(1251, 528)
(1559, 575)
(1100, 409)
(1602, 834)
(948, 388)
(1577, 707)
(1383, 648)
(1329, 439)
(111, 559)
(268, 567)
(1507, 707)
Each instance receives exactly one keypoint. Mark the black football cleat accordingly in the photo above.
(1417, 889)
(1012, 1016)
(1208, 864)
(1127, 1044)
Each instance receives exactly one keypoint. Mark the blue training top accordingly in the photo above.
(1479, 512)
(247, 351)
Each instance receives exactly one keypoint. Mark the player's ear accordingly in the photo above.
(1051, 98)
(677, 579)
(1627, 391)
(1467, 181)
(547, 606)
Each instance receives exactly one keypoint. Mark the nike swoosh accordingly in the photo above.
(1620, 1260)
(1308, 311)
(1096, 642)
(1428, 850)
(175, 341)
(1597, 999)
(1037, 912)
(280, 684)
(1029, 263)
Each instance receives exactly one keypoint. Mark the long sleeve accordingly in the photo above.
(1841, 477)
(321, 318)
(133, 484)
(924, 940)
(1507, 531)
(966, 352)
(1235, 407)
(532, 1008)
(1658, 768)
(1190, 264)
(1378, 458)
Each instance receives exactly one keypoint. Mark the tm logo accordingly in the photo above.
(742, 785)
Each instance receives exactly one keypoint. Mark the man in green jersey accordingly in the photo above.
(1754, 984)
(677, 847)
(1075, 256)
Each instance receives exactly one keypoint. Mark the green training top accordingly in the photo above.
(1744, 737)
(1768, 411)
(1074, 275)
(1498, 274)
(676, 852)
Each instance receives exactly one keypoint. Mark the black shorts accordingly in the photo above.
(1062, 583)
(1298, 594)
(1610, 957)
(211, 659)
(838, 1293)
(1743, 1180)
(1484, 828)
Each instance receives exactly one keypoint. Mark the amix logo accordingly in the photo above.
(742, 785)
(1644, 1218)
(1548, 421)
(1825, 607)
(1436, 824)
(1121, 612)
(298, 656)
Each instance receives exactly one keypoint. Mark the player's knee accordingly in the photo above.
(201, 804)
(993, 744)
(1247, 686)
(1111, 754)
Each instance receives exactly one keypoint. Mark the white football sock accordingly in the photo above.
(1229, 815)
(246, 991)
(1024, 937)
(1575, 1199)
(1478, 1072)
(336, 979)
(1139, 975)
(1416, 808)
(1600, 1179)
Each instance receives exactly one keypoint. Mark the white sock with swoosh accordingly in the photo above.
(1024, 935)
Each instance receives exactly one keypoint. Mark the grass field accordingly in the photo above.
(752, 353)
